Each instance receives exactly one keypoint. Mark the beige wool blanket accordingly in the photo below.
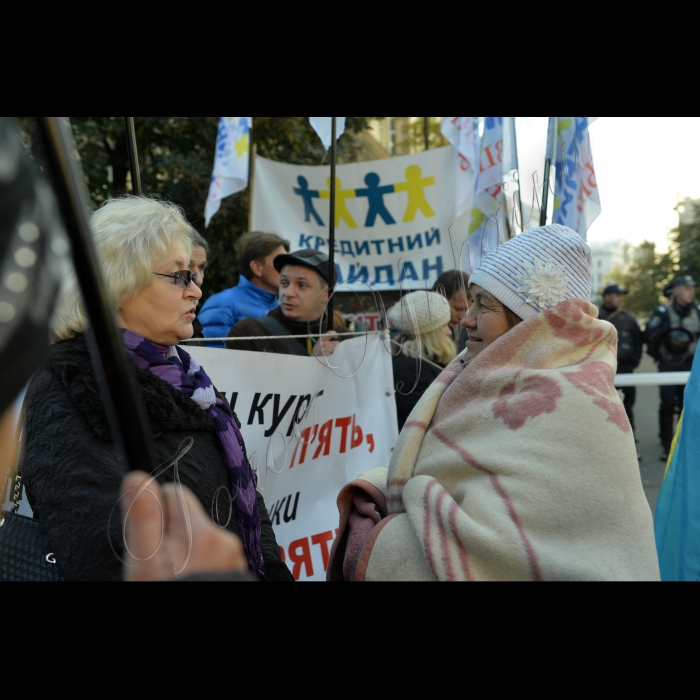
(520, 466)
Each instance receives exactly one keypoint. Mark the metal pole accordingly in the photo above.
(127, 419)
(520, 183)
(251, 154)
(331, 225)
(133, 155)
(426, 132)
(251, 185)
(551, 145)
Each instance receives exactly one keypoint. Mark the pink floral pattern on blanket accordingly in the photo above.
(569, 322)
(523, 399)
(595, 379)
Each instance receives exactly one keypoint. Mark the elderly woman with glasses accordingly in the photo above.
(71, 468)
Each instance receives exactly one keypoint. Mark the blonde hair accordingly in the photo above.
(133, 236)
(434, 346)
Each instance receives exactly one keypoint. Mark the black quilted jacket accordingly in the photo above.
(72, 473)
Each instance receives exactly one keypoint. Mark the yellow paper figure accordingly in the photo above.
(341, 209)
(415, 186)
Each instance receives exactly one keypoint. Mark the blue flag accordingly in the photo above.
(677, 525)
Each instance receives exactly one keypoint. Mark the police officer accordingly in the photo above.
(671, 337)
(629, 339)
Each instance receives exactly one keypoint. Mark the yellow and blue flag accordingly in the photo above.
(677, 525)
(230, 162)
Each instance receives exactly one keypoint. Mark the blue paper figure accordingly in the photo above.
(375, 196)
(307, 195)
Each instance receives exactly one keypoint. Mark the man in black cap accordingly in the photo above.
(672, 337)
(629, 339)
(305, 283)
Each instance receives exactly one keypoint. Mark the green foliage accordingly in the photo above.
(643, 281)
(683, 257)
(650, 272)
(176, 156)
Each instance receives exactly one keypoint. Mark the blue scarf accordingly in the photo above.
(180, 370)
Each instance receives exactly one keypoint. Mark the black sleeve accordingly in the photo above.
(245, 329)
(656, 329)
(275, 568)
(72, 482)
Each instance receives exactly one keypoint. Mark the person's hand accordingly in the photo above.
(155, 535)
(326, 344)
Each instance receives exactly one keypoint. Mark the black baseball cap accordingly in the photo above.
(309, 257)
(614, 289)
(685, 281)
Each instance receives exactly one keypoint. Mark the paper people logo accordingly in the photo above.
(415, 186)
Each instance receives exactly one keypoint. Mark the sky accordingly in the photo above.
(644, 167)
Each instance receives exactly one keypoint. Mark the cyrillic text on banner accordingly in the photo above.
(392, 216)
(309, 430)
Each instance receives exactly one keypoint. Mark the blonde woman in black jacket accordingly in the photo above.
(71, 468)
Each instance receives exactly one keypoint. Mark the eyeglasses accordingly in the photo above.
(182, 278)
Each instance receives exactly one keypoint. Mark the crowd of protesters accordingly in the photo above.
(500, 376)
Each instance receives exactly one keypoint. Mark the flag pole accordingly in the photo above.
(133, 155)
(551, 137)
(426, 132)
(331, 225)
(251, 183)
(520, 185)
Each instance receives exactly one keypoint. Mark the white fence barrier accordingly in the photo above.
(655, 379)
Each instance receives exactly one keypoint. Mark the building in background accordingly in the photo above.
(401, 136)
(610, 260)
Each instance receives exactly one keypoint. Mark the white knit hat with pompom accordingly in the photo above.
(536, 270)
(419, 313)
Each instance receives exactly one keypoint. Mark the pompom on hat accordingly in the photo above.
(536, 270)
(419, 313)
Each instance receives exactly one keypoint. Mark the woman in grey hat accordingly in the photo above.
(519, 462)
(422, 346)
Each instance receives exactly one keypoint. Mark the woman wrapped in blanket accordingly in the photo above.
(519, 462)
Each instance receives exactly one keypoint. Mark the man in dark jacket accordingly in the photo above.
(672, 337)
(304, 287)
(629, 340)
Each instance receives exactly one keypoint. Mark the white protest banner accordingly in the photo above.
(392, 216)
(309, 430)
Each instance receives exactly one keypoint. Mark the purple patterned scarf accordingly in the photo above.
(175, 366)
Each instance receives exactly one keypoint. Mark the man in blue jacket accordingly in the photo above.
(257, 291)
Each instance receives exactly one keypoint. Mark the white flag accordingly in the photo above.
(498, 157)
(577, 200)
(323, 127)
(463, 134)
(230, 164)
